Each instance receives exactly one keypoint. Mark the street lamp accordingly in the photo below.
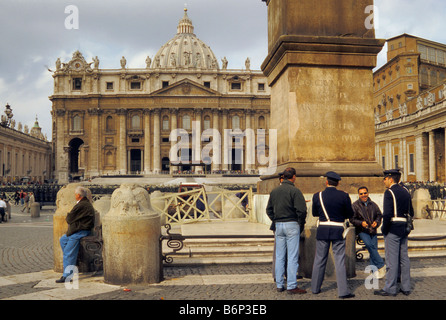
(6, 119)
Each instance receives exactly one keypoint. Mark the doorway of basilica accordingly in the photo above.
(135, 160)
(73, 156)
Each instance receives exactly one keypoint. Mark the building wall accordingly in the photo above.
(23, 155)
(413, 138)
(413, 66)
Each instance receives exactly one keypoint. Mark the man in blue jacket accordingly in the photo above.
(396, 206)
(332, 207)
(288, 211)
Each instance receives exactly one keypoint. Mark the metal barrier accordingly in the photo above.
(438, 210)
(191, 206)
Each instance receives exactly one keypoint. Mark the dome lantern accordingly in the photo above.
(185, 25)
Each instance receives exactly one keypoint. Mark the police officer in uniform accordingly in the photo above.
(395, 234)
(332, 206)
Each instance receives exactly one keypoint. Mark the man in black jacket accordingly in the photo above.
(288, 211)
(397, 204)
(332, 206)
(367, 218)
(80, 222)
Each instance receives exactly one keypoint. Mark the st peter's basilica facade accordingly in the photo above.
(159, 119)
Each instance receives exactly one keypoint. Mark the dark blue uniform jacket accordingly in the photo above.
(403, 205)
(338, 206)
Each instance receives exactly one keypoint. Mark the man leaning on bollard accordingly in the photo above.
(366, 219)
(80, 222)
(332, 206)
(288, 211)
(397, 203)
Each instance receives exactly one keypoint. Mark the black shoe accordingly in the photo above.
(348, 296)
(406, 293)
(61, 280)
(383, 293)
(280, 289)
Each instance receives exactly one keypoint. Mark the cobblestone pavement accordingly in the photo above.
(26, 260)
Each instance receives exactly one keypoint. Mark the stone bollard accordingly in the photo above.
(65, 201)
(35, 210)
(307, 251)
(421, 198)
(131, 232)
(101, 206)
(8, 211)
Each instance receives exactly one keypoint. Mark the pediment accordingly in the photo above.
(185, 87)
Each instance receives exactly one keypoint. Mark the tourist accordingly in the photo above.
(367, 218)
(31, 200)
(80, 222)
(16, 198)
(332, 206)
(273, 229)
(22, 197)
(287, 209)
(25, 201)
(397, 203)
(3, 208)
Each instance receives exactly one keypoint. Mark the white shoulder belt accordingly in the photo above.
(396, 218)
(328, 222)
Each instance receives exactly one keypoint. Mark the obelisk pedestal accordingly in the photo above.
(320, 70)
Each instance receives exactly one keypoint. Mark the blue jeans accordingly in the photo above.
(371, 243)
(70, 249)
(287, 236)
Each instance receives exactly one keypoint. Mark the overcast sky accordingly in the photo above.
(33, 35)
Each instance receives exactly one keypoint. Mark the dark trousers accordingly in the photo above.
(320, 262)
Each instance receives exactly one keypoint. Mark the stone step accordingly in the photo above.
(419, 243)
(179, 260)
(239, 250)
(228, 242)
(227, 251)
(223, 252)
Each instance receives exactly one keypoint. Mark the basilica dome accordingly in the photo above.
(185, 50)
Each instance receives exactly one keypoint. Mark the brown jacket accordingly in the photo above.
(81, 217)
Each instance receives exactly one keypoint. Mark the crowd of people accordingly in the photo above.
(21, 198)
(288, 211)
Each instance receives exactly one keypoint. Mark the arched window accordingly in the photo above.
(186, 122)
(165, 123)
(235, 122)
(77, 123)
(207, 123)
(136, 122)
(109, 125)
(262, 122)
